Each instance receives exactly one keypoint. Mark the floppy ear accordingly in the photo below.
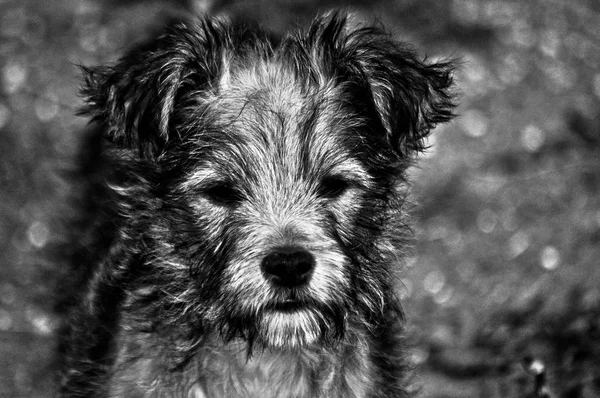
(135, 99)
(410, 95)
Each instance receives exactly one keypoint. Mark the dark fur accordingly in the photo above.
(156, 314)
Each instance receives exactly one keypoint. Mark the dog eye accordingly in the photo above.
(333, 187)
(223, 194)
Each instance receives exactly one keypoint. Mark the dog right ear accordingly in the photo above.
(135, 99)
(409, 95)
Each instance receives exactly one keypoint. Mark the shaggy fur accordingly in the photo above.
(253, 214)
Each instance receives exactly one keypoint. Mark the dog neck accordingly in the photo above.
(225, 370)
(340, 371)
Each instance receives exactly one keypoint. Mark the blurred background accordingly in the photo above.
(505, 269)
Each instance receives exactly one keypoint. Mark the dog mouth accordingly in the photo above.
(288, 305)
(298, 320)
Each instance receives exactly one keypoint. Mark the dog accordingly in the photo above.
(253, 213)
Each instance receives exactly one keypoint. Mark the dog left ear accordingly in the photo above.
(409, 94)
(135, 99)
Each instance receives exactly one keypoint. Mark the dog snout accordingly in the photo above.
(288, 266)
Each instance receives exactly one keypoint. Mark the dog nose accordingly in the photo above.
(288, 266)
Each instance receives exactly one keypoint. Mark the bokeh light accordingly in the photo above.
(14, 75)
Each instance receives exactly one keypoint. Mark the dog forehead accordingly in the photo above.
(262, 90)
(272, 118)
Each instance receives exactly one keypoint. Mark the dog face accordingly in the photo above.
(285, 180)
(263, 185)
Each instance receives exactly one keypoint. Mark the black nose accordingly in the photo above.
(288, 266)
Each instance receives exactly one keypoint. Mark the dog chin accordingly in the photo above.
(291, 329)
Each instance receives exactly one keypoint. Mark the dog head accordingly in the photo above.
(266, 182)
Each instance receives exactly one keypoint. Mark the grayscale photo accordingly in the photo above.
(300, 199)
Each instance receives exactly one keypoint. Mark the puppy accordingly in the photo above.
(253, 214)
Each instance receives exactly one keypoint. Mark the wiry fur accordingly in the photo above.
(222, 147)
